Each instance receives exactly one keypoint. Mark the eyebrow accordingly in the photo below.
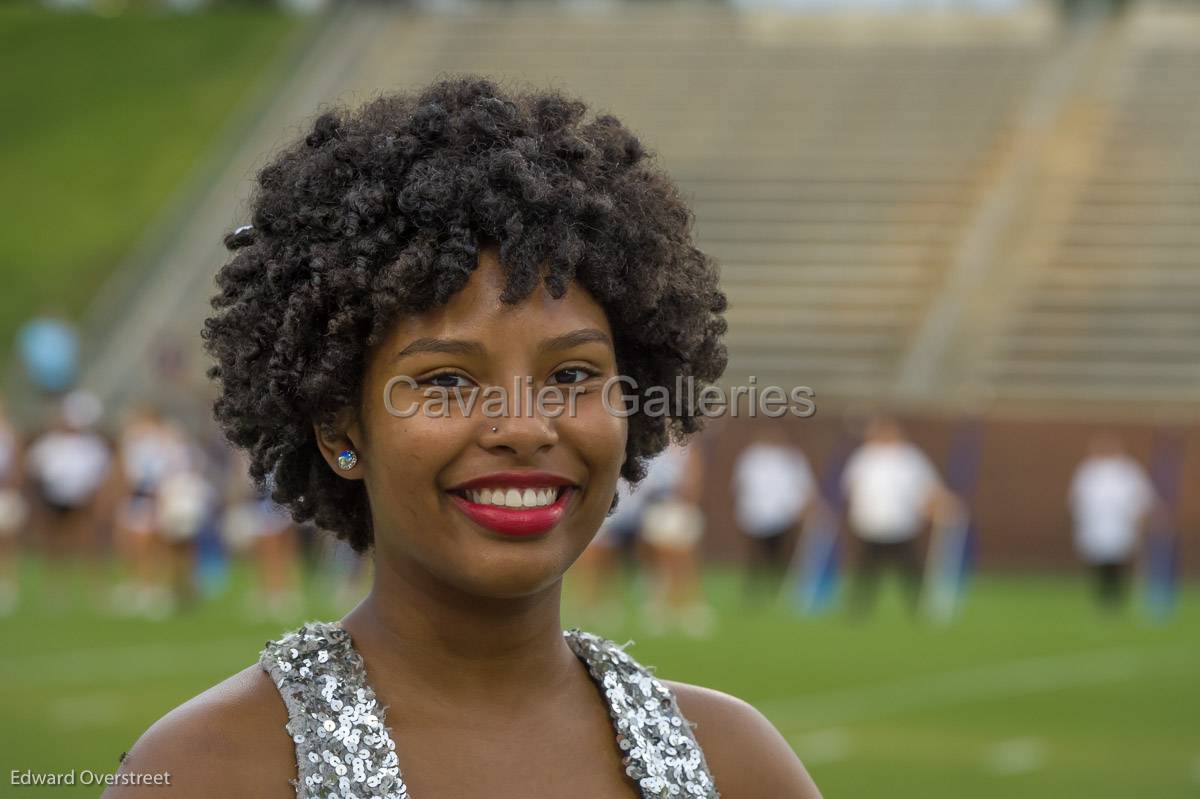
(454, 346)
(575, 338)
(450, 346)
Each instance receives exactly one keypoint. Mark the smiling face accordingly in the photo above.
(442, 484)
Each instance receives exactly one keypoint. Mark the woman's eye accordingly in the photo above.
(447, 380)
(575, 374)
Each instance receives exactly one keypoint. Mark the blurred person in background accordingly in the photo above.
(672, 526)
(892, 492)
(14, 512)
(256, 525)
(1111, 499)
(185, 500)
(150, 448)
(340, 573)
(70, 466)
(774, 489)
(597, 570)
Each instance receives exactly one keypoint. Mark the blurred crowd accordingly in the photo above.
(159, 499)
(145, 508)
(884, 501)
(149, 510)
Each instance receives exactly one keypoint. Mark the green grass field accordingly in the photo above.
(1028, 694)
(103, 119)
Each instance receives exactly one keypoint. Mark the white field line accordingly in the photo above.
(138, 660)
(87, 712)
(824, 746)
(1014, 757)
(998, 681)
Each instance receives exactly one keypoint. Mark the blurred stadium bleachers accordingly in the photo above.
(943, 211)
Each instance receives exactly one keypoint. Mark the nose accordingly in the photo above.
(522, 434)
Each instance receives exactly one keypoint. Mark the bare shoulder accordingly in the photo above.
(229, 741)
(749, 758)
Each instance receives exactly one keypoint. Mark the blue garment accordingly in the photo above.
(49, 349)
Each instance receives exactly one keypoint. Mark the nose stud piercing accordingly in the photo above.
(494, 429)
(347, 459)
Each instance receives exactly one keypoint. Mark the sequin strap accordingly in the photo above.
(343, 748)
(660, 751)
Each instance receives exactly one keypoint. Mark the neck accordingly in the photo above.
(419, 632)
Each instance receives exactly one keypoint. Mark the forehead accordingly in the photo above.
(477, 312)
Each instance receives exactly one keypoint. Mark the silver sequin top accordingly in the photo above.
(344, 749)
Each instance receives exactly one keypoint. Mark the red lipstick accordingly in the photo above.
(518, 521)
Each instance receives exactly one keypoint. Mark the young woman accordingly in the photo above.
(442, 246)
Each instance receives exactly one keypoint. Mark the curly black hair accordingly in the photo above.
(382, 211)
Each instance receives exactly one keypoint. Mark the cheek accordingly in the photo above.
(406, 457)
(599, 436)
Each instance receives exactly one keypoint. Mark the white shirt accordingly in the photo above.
(184, 495)
(664, 471)
(629, 505)
(772, 484)
(70, 466)
(150, 455)
(888, 487)
(1109, 496)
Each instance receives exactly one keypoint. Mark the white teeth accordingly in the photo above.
(513, 497)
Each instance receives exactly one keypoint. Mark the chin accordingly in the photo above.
(515, 574)
(509, 586)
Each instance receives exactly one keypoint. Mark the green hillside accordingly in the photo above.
(103, 118)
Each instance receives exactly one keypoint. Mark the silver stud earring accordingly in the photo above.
(347, 460)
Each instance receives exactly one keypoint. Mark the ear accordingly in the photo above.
(335, 437)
